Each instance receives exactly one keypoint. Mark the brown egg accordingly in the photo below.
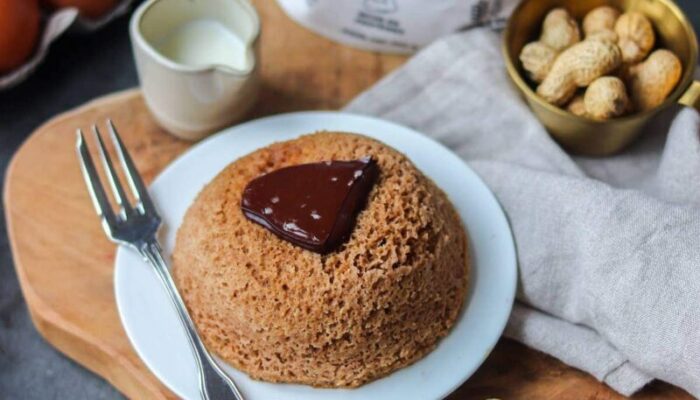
(19, 32)
(88, 8)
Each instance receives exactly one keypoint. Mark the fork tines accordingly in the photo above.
(97, 192)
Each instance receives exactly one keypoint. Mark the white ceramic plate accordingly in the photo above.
(154, 329)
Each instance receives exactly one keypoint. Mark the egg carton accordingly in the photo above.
(57, 24)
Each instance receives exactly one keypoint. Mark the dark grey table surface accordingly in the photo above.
(78, 69)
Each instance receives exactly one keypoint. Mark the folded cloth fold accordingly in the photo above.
(609, 266)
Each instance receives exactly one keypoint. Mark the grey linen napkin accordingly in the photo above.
(608, 254)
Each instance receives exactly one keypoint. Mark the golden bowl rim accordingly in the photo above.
(683, 85)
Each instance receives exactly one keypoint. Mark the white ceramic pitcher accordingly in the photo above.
(193, 99)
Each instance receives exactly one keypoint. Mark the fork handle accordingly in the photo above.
(214, 384)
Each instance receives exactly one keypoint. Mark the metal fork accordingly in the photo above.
(136, 226)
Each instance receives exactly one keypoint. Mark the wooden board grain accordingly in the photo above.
(64, 262)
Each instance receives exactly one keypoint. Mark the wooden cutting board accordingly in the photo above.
(64, 262)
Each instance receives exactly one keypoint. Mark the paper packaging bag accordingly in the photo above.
(395, 26)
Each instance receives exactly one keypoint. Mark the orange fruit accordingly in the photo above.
(88, 8)
(19, 32)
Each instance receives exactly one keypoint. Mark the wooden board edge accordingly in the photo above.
(56, 119)
(51, 326)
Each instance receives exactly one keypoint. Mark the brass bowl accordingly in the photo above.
(585, 136)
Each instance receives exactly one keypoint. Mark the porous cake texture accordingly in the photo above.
(284, 314)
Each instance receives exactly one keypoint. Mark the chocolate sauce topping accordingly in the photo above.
(311, 205)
